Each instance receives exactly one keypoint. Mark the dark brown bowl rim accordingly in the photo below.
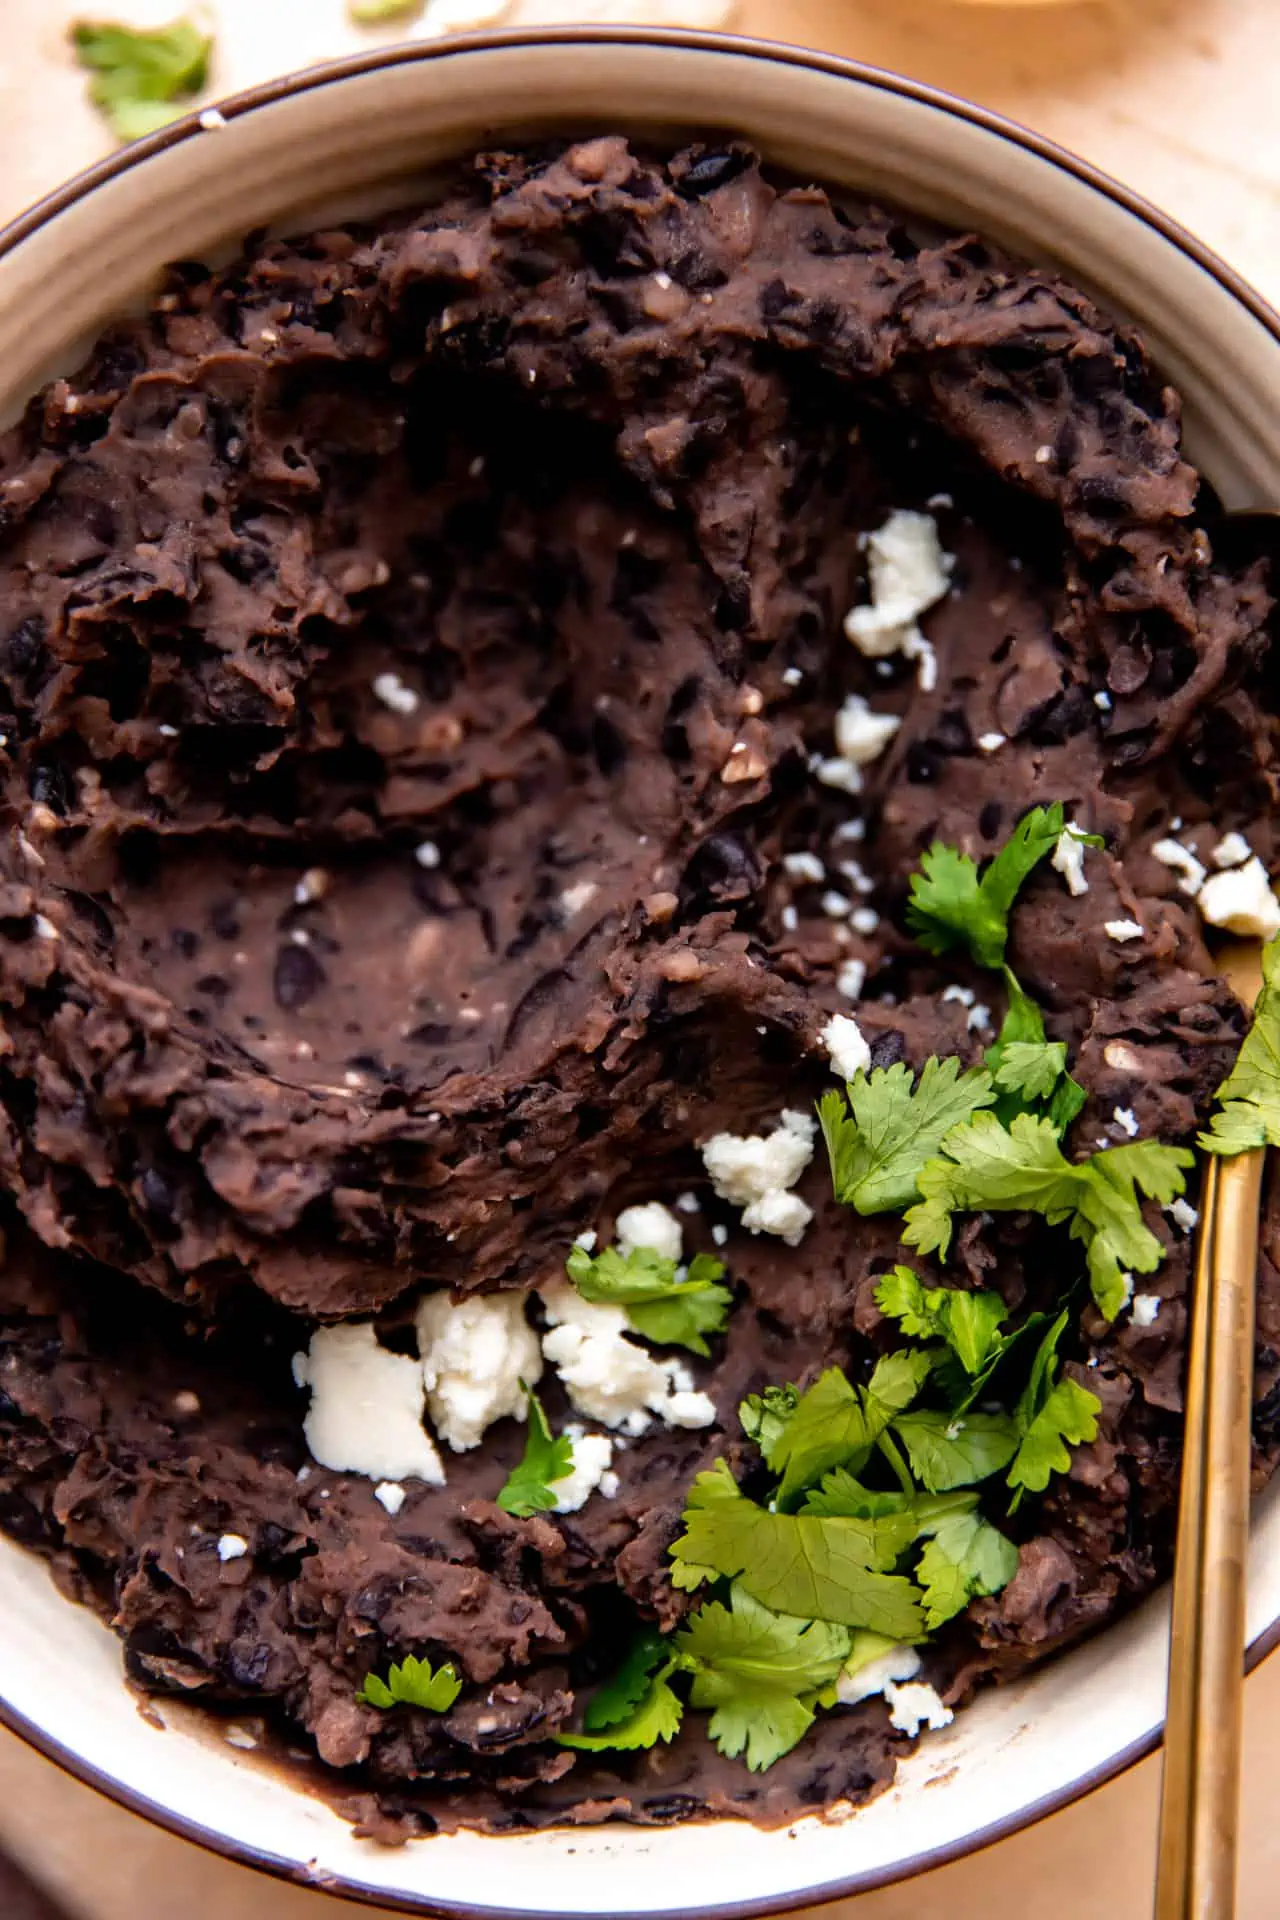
(326, 74)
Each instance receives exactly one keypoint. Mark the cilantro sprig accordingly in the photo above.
(663, 1304)
(890, 1129)
(412, 1683)
(952, 905)
(530, 1487)
(1249, 1112)
(986, 1168)
(142, 79)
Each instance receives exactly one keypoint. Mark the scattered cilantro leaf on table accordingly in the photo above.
(655, 1716)
(660, 1306)
(985, 1167)
(529, 1487)
(759, 1672)
(412, 1683)
(952, 905)
(892, 1126)
(966, 1556)
(815, 1569)
(1249, 1113)
(142, 79)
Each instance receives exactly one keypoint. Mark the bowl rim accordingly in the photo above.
(328, 73)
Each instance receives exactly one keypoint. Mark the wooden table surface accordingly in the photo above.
(1175, 97)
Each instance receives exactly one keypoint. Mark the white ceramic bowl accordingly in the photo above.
(356, 137)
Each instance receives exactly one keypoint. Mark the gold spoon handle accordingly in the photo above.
(1199, 1805)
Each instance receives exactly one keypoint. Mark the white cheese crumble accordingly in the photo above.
(720, 1235)
(851, 979)
(897, 1662)
(979, 1019)
(838, 773)
(1231, 851)
(991, 742)
(578, 896)
(587, 1240)
(393, 693)
(232, 1546)
(835, 905)
(790, 919)
(1184, 1215)
(389, 1494)
(864, 920)
(756, 1172)
(861, 734)
(842, 1037)
(792, 676)
(1126, 1290)
(592, 1459)
(688, 1203)
(1242, 901)
(907, 572)
(1068, 858)
(1102, 701)
(1146, 1307)
(1172, 854)
(1127, 1121)
(915, 1704)
(804, 866)
(366, 1407)
(651, 1225)
(427, 854)
(1122, 930)
(476, 1352)
(44, 927)
(965, 995)
(607, 1376)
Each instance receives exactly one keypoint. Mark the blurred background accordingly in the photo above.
(1173, 97)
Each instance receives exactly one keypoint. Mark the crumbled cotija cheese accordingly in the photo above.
(1146, 1307)
(843, 1040)
(1172, 853)
(755, 1171)
(1242, 901)
(607, 1376)
(1122, 930)
(592, 1459)
(907, 572)
(1231, 851)
(898, 1662)
(653, 1226)
(476, 1352)
(861, 734)
(915, 1704)
(366, 1407)
(1068, 858)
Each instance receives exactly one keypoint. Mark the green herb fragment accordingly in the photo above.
(412, 1684)
(764, 1417)
(617, 1698)
(949, 1450)
(1052, 1413)
(760, 1673)
(368, 12)
(142, 80)
(1031, 1067)
(656, 1716)
(1030, 1072)
(1249, 1115)
(966, 1557)
(986, 1168)
(670, 1311)
(835, 1423)
(951, 906)
(968, 1323)
(815, 1569)
(529, 1488)
(892, 1127)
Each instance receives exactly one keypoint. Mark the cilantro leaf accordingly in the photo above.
(815, 1569)
(835, 1423)
(529, 1487)
(1031, 1067)
(948, 1450)
(412, 1684)
(655, 1716)
(618, 1697)
(969, 1323)
(140, 75)
(1249, 1115)
(1068, 1416)
(986, 1168)
(951, 906)
(764, 1417)
(890, 1129)
(660, 1307)
(967, 1556)
(758, 1671)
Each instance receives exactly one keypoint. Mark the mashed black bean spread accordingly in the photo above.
(474, 692)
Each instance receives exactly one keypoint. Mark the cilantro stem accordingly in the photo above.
(889, 1448)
